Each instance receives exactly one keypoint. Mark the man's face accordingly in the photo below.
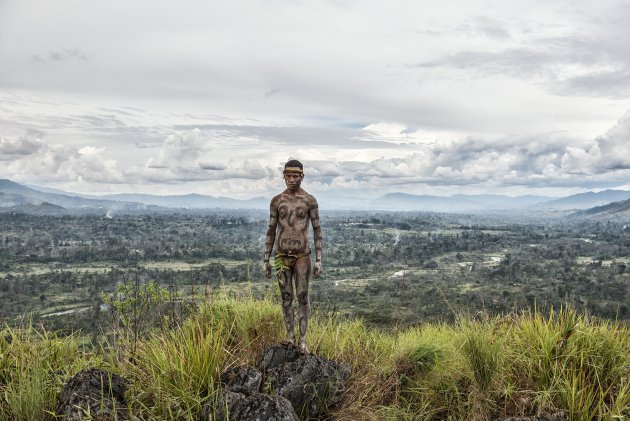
(293, 180)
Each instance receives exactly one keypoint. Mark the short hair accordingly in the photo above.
(294, 163)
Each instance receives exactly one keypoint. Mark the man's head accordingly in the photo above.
(293, 174)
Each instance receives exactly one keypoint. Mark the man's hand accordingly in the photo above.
(266, 268)
(317, 269)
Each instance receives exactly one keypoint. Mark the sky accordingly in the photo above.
(213, 97)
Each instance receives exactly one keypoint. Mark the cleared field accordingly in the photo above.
(100, 268)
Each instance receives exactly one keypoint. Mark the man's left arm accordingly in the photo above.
(317, 237)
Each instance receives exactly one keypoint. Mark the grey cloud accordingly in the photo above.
(485, 26)
(271, 92)
(613, 84)
(24, 146)
(299, 136)
(210, 166)
(544, 160)
(516, 62)
(31, 158)
(62, 55)
(602, 61)
(244, 170)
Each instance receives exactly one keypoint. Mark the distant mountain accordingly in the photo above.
(44, 208)
(191, 201)
(14, 195)
(455, 203)
(616, 209)
(586, 200)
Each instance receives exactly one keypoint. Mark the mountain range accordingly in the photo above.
(34, 199)
(619, 210)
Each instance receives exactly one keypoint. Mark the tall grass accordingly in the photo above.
(34, 364)
(175, 372)
(475, 369)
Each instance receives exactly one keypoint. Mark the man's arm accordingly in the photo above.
(270, 238)
(317, 237)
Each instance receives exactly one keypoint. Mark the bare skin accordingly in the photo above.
(290, 214)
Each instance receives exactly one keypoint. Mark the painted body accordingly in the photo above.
(290, 215)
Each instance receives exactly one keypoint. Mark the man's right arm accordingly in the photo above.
(270, 237)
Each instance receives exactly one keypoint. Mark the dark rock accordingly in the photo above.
(93, 391)
(225, 405)
(233, 406)
(312, 384)
(242, 379)
(278, 354)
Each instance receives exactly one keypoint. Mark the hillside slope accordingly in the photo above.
(615, 209)
(476, 369)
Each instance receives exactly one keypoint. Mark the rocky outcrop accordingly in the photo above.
(95, 392)
(312, 384)
(255, 407)
(242, 379)
(294, 387)
(276, 355)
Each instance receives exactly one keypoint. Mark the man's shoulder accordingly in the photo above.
(310, 199)
(275, 200)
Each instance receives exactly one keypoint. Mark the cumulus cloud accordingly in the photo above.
(196, 155)
(30, 158)
(546, 159)
(22, 146)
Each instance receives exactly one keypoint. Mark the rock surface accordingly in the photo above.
(276, 355)
(312, 384)
(294, 384)
(242, 379)
(234, 406)
(95, 392)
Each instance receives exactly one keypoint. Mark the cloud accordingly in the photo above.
(271, 92)
(22, 146)
(544, 160)
(578, 51)
(31, 159)
(198, 155)
(62, 55)
(614, 146)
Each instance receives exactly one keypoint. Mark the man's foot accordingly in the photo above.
(303, 348)
(289, 342)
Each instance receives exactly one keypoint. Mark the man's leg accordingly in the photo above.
(302, 273)
(286, 291)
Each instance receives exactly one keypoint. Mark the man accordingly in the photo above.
(290, 214)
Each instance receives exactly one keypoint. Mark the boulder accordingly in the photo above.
(296, 386)
(242, 379)
(233, 406)
(277, 354)
(312, 384)
(95, 392)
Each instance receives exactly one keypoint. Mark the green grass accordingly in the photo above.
(475, 369)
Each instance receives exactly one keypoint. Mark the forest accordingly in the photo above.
(389, 269)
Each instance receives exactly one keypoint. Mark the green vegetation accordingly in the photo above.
(151, 297)
(390, 269)
(474, 369)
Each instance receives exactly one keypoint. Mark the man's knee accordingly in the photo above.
(287, 298)
(303, 298)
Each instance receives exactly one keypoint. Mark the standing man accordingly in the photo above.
(290, 214)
